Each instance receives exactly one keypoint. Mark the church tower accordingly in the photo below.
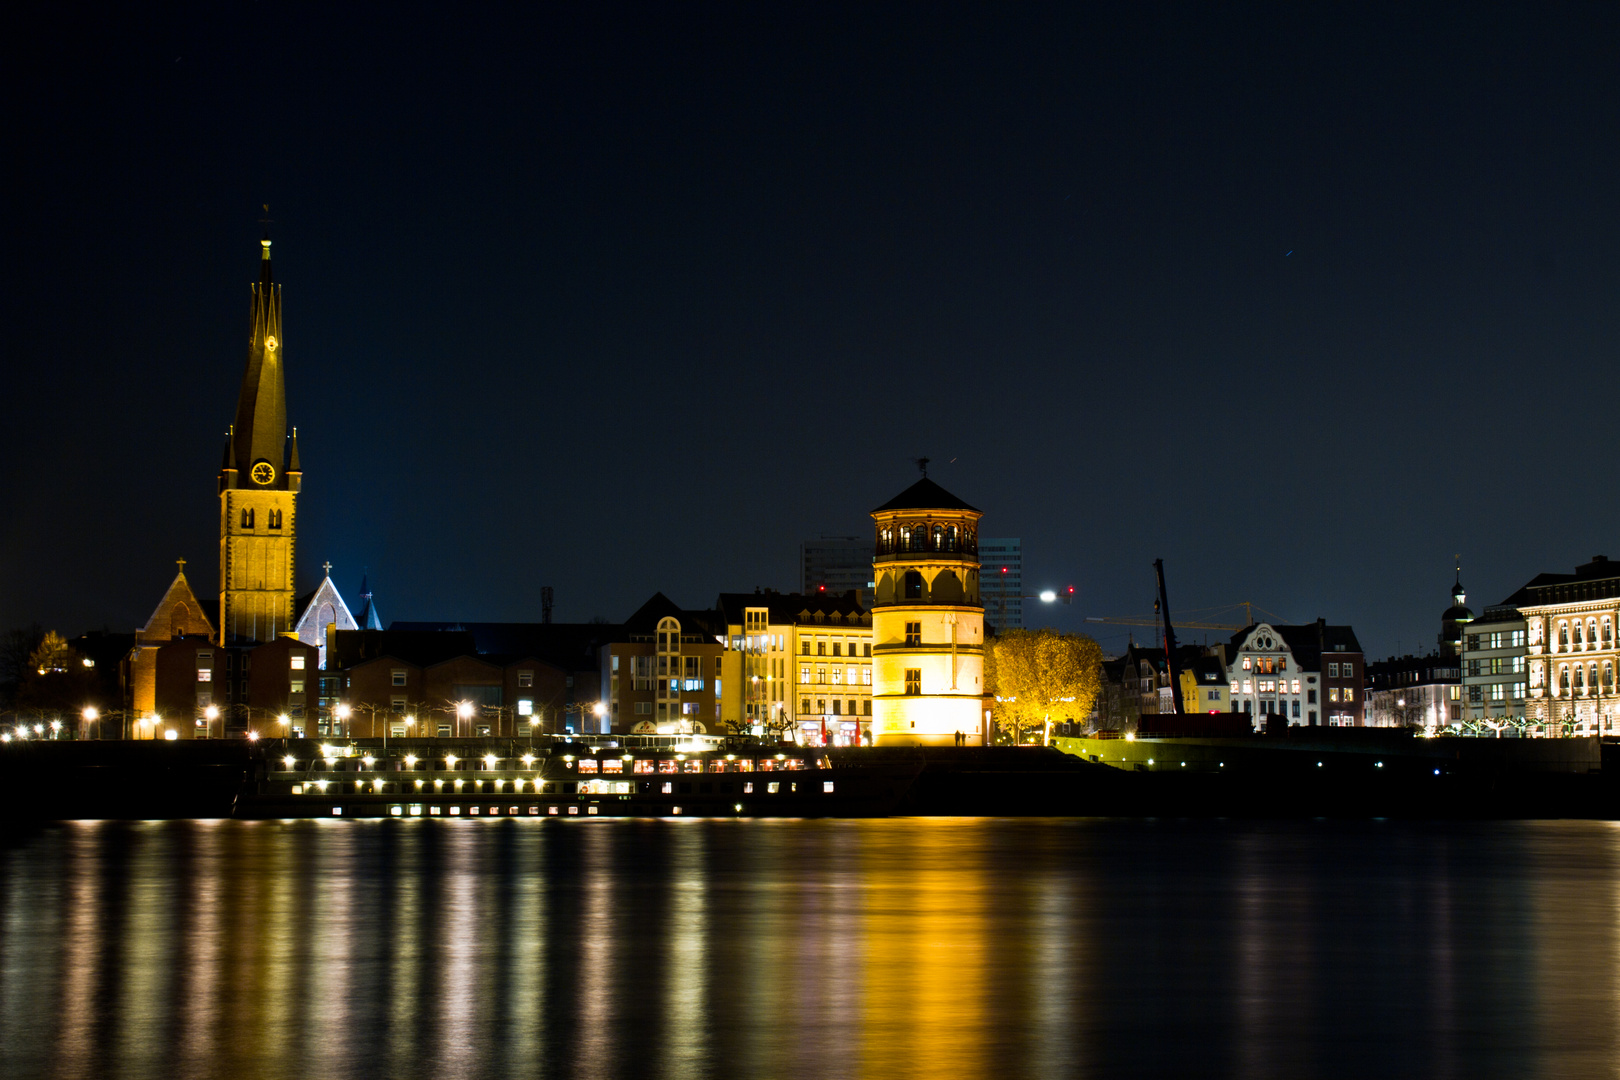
(258, 486)
(927, 620)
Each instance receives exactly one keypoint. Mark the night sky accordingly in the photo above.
(622, 299)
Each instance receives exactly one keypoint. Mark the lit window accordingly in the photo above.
(525, 707)
(1296, 686)
(1234, 686)
(587, 765)
(1247, 664)
(1333, 693)
(1349, 693)
(866, 676)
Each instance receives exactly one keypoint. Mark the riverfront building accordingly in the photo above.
(928, 620)
(1001, 581)
(1570, 622)
(1311, 675)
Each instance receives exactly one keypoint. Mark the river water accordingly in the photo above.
(953, 948)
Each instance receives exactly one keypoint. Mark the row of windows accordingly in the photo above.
(839, 708)
(851, 648)
(1271, 665)
(272, 518)
(1496, 639)
(839, 675)
(1496, 665)
(1585, 676)
(1496, 692)
(925, 538)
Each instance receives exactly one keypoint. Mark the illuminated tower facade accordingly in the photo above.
(927, 620)
(258, 486)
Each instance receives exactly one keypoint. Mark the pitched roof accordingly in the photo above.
(421, 648)
(1307, 642)
(193, 620)
(925, 495)
(789, 607)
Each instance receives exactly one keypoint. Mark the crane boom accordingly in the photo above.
(1148, 620)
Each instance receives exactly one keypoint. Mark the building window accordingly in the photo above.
(804, 706)
(913, 585)
(913, 681)
(525, 678)
(804, 673)
(1475, 693)
(1247, 663)
(913, 633)
(867, 709)
(866, 676)
(272, 518)
(643, 708)
(821, 675)
(868, 651)
(821, 646)
(247, 517)
(838, 707)
(1296, 710)
(399, 677)
(1310, 698)
(836, 646)
(1349, 693)
(1333, 673)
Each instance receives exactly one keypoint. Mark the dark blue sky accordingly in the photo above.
(620, 298)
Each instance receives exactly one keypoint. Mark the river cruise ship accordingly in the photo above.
(566, 780)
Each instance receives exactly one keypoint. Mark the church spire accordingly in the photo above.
(261, 408)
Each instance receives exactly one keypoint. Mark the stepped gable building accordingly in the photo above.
(1312, 675)
(1570, 623)
(927, 620)
(259, 482)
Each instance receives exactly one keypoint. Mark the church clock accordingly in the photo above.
(263, 472)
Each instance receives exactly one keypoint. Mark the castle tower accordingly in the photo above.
(258, 486)
(927, 620)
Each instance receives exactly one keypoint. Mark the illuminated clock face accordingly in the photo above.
(271, 343)
(263, 472)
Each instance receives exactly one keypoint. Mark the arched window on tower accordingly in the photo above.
(905, 538)
(247, 517)
(950, 538)
(273, 518)
(914, 585)
(885, 540)
(939, 538)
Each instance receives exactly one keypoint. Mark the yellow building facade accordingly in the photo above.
(927, 620)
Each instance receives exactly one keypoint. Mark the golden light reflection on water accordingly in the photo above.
(960, 948)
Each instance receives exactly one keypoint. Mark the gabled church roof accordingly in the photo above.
(179, 612)
(308, 612)
(925, 495)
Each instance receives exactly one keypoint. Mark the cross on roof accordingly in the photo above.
(181, 563)
(328, 568)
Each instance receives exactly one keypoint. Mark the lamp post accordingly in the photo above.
(464, 711)
(343, 712)
(598, 710)
(91, 716)
(211, 714)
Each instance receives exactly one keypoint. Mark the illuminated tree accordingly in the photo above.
(1041, 675)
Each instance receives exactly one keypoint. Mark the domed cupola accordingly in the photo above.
(1454, 619)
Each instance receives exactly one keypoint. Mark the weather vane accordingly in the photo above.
(922, 465)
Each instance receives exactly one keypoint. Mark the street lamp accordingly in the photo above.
(212, 714)
(91, 715)
(598, 710)
(464, 711)
(342, 712)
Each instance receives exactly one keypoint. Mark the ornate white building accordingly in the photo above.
(1570, 622)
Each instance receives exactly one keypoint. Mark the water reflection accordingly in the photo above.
(684, 948)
